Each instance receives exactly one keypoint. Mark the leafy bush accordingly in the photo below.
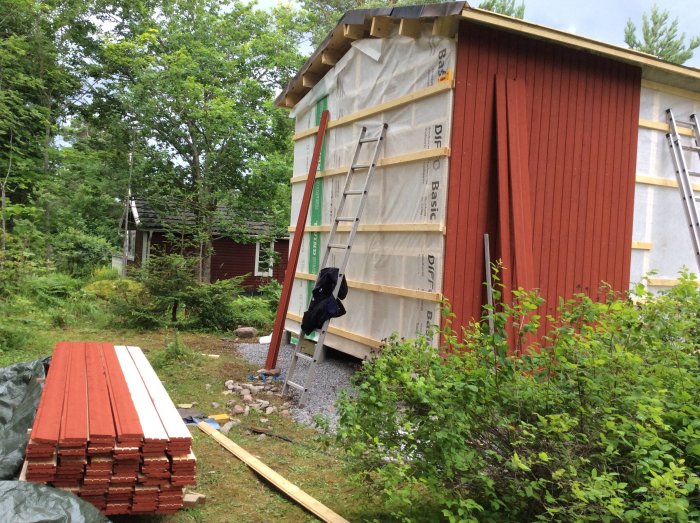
(600, 424)
(104, 273)
(253, 312)
(211, 306)
(107, 289)
(49, 289)
(271, 293)
(175, 353)
(78, 253)
(132, 309)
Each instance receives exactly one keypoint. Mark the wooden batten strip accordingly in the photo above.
(445, 26)
(47, 422)
(439, 87)
(383, 289)
(661, 182)
(642, 246)
(662, 126)
(74, 422)
(353, 31)
(378, 227)
(665, 282)
(668, 89)
(342, 333)
(291, 490)
(329, 57)
(99, 409)
(416, 156)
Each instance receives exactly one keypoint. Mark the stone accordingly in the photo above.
(254, 389)
(248, 398)
(264, 420)
(227, 427)
(261, 437)
(215, 405)
(246, 411)
(270, 410)
(207, 386)
(246, 332)
(243, 392)
(229, 384)
(236, 387)
(256, 407)
(226, 392)
(263, 403)
(285, 413)
(238, 409)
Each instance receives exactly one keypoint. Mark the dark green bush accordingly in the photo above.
(210, 306)
(50, 289)
(252, 311)
(600, 424)
(78, 253)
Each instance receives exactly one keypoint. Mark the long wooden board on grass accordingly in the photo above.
(286, 486)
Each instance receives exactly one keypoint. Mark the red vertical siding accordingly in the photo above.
(582, 119)
(233, 259)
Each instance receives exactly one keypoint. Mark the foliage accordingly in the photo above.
(175, 353)
(504, 7)
(660, 37)
(210, 306)
(108, 289)
(271, 293)
(599, 424)
(79, 253)
(253, 312)
(167, 278)
(137, 310)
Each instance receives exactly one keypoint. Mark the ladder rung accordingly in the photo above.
(345, 218)
(693, 173)
(295, 385)
(360, 167)
(685, 124)
(338, 246)
(304, 356)
(691, 148)
(354, 192)
(370, 140)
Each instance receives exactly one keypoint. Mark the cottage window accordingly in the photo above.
(131, 245)
(263, 260)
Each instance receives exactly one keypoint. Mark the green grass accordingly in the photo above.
(234, 492)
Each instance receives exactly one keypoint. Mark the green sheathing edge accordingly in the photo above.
(317, 206)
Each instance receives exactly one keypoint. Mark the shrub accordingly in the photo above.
(107, 289)
(600, 424)
(271, 293)
(50, 289)
(211, 306)
(175, 353)
(104, 273)
(132, 309)
(78, 253)
(252, 311)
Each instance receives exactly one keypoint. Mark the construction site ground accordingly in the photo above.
(312, 461)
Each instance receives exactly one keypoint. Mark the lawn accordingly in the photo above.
(233, 491)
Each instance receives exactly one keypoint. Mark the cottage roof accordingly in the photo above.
(145, 216)
(378, 23)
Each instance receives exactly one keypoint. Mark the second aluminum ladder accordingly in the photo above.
(684, 174)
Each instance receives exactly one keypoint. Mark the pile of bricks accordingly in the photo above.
(107, 431)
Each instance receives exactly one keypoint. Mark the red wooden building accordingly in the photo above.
(151, 232)
(550, 143)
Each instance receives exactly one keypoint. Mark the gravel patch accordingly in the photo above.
(331, 376)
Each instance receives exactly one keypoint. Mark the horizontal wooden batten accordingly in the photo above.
(669, 89)
(439, 87)
(665, 282)
(342, 333)
(642, 246)
(662, 126)
(378, 227)
(427, 154)
(383, 289)
(661, 182)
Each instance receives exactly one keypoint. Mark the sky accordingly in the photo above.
(603, 20)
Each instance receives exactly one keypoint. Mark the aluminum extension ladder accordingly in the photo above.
(349, 189)
(683, 173)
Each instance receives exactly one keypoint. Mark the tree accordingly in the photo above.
(195, 82)
(504, 7)
(660, 37)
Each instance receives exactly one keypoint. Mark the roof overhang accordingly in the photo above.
(444, 20)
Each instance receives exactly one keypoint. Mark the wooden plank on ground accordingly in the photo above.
(286, 486)
(126, 420)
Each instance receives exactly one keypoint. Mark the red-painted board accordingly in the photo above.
(580, 125)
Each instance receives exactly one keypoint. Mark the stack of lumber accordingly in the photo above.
(107, 431)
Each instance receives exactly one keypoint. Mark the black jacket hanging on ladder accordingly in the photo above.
(323, 306)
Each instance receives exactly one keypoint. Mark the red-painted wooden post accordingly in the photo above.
(278, 328)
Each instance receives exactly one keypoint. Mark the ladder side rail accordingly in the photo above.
(683, 178)
(361, 206)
